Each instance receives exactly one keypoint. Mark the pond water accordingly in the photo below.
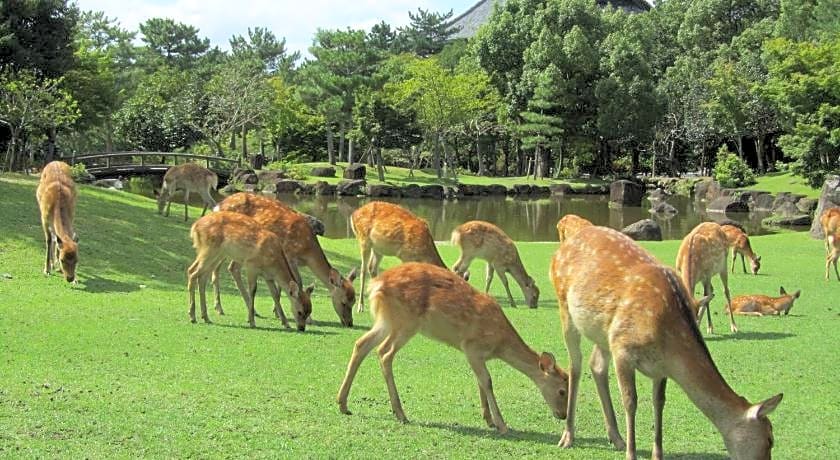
(521, 219)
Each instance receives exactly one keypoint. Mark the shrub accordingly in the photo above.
(292, 170)
(79, 172)
(731, 171)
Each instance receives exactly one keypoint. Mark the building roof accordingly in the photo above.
(469, 21)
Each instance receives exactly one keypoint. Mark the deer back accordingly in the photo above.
(393, 230)
(702, 253)
(570, 224)
(486, 241)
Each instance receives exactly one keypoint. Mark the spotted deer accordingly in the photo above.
(188, 177)
(56, 196)
(639, 313)
(386, 229)
(230, 235)
(300, 245)
(570, 224)
(419, 297)
(740, 244)
(702, 255)
(830, 223)
(761, 305)
(483, 240)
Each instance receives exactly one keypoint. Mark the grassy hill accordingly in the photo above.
(111, 367)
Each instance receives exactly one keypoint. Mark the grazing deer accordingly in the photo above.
(483, 240)
(570, 224)
(830, 222)
(418, 297)
(639, 313)
(740, 244)
(385, 229)
(702, 255)
(229, 235)
(188, 177)
(760, 305)
(56, 195)
(300, 245)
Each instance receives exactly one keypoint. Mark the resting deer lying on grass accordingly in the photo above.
(483, 240)
(418, 297)
(56, 195)
(570, 224)
(188, 177)
(639, 313)
(760, 305)
(830, 222)
(702, 255)
(300, 245)
(229, 235)
(385, 229)
(740, 244)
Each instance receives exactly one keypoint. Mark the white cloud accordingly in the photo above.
(297, 21)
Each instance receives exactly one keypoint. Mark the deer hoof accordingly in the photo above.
(566, 440)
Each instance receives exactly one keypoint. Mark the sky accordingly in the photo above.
(297, 21)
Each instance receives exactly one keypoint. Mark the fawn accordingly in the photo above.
(56, 196)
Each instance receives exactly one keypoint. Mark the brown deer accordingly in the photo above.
(830, 223)
(386, 229)
(300, 245)
(483, 240)
(570, 224)
(760, 305)
(230, 235)
(702, 255)
(431, 300)
(740, 244)
(56, 195)
(188, 177)
(639, 313)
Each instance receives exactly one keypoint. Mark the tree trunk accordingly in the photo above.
(232, 144)
(109, 135)
(759, 152)
(380, 168)
(245, 144)
(330, 145)
(672, 163)
(436, 155)
(350, 151)
(739, 144)
(341, 135)
(481, 168)
(507, 159)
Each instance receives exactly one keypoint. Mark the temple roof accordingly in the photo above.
(470, 20)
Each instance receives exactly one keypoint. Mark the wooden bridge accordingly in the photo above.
(103, 165)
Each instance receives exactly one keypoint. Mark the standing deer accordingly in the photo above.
(418, 297)
(570, 224)
(740, 243)
(483, 240)
(56, 196)
(385, 229)
(300, 245)
(639, 313)
(229, 235)
(702, 255)
(830, 222)
(188, 177)
(760, 305)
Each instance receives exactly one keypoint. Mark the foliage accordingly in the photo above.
(37, 36)
(427, 33)
(732, 171)
(293, 170)
(177, 44)
(79, 172)
(264, 46)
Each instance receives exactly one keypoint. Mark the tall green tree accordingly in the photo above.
(176, 44)
(263, 45)
(426, 34)
(37, 35)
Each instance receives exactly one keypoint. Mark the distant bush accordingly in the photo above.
(79, 172)
(292, 170)
(731, 171)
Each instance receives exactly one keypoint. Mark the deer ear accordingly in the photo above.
(796, 294)
(705, 301)
(310, 289)
(782, 290)
(294, 289)
(547, 362)
(75, 237)
(758, 258)
(335, 277)
(763, 409)
(352, 275)
(466, 276)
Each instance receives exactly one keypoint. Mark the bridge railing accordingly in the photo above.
(111, 160)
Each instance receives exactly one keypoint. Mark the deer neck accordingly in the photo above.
(521, 357)
(63, 222)
(318, 263)
(517, 271)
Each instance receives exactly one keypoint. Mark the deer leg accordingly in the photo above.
(202, 292)
(743, 263)
(462, 265)
(375, 260)
(275, 295)
(836, 256)
(489, 277)
(503, 279)
(191, 280)
(236, 273)
(209, 202)
(627, 384)
(362, 348)
(197, 274)
(485, 408)
(599, 363)
(485, 384)
(723, 276)
(251, 276)
(734, 256)
(658, 406)
(217, 292)
(707, 290)
(572, 338)
(366, 254)
(49, 243)
(387, 351)
(186, 204)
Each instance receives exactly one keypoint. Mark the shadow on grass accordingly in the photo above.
(337, 325)
(519, 435)
(752, 335)
(99, 284)
(271, 329)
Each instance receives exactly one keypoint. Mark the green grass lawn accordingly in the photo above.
(111, 367)
(784, 182)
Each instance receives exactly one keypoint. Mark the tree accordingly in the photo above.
(542, 128)
(28, 103)
(261, 44)
(37, 35)
(426, 34)
(176, 43)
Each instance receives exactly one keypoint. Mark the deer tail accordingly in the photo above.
(214, 181)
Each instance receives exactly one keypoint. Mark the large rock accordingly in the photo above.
(540, 190)
(239, 174)
(322, 171)
(657, 195)
(644, 230)
(381, 190)
(786, 209)
(432, 191)
(763, 202)
(807, 205)
(287, 186)
(561, 189)
(784, 198)
(496, 190)
(626, 193)
(355, 171)
(707, 190)
(324, 188)
(829, 198)
(726, 204)
(521, 189)
(271, 177)
(469, 189)
(411, 191)
(350, 187)
(663, 208)
(784, 221)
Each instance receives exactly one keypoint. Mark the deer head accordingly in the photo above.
(752, 436)
(343, 295)
(554, 385)
(68, 256)
(301, 303)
